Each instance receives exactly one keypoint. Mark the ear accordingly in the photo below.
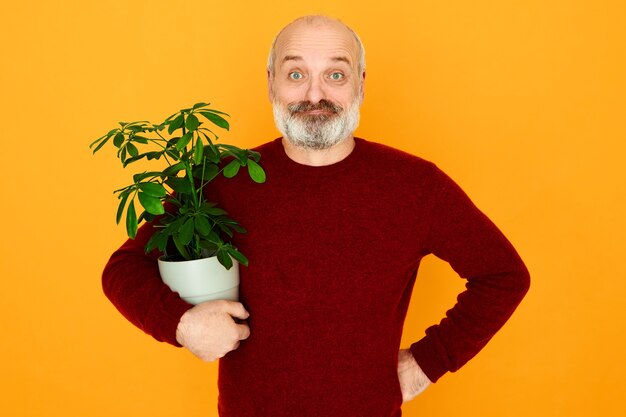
(362, 92)
(270, 86)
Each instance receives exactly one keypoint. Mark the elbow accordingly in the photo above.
(524, 279)
(108, 277)
(520, 285)
(115, 274)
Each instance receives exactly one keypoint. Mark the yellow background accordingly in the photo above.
(523, 103)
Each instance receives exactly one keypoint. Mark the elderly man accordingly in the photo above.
(336, 235)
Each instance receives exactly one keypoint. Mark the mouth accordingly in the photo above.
(317, 112)
(324, 108)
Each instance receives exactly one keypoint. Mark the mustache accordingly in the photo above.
(304, 106)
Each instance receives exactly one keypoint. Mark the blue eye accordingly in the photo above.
(336, 76)
(295, 75)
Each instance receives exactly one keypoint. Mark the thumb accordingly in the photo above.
(237, 309)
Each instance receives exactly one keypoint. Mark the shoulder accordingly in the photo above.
(393, 158)
(271, 146)
(407, 169)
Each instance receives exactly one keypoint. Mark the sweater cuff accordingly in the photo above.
(428, 355)
(170, 318)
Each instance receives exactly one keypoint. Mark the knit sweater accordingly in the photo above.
(334, 252)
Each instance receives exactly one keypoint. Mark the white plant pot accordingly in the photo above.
(201, 279)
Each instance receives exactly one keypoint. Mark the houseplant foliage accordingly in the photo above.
(186, 142)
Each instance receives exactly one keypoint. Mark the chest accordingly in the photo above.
(351, 239)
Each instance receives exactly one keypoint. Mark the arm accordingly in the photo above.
(132, 283)
(497, 279)
(413, 381)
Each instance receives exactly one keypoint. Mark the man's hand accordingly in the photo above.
(412, 379)
(209, 331)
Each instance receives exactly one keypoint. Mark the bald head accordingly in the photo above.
(313, 22)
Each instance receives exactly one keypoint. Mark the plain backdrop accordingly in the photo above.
(522, 103)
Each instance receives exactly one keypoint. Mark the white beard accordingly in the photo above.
(317, 132)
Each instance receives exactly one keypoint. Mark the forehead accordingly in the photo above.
(316, 43)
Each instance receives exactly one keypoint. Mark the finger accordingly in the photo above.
(244, 331)
(236, 309)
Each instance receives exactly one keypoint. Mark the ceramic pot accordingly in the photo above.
(201, 279)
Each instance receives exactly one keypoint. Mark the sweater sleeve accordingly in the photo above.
(132, 283)
(497, 279)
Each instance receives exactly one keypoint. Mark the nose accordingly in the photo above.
(315, 91)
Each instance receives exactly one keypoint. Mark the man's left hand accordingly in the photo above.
(412, 379)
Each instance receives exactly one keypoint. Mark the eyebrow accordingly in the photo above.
(299, 58)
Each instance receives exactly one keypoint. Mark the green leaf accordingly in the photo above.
(143, 175)
(152, 205)
(173, 170)
(173, 224)
(210, 171)
(202, 225)
(237, 255)
(212, 153)
(173, 152)
(256, 172)
(217, 111)
(216, 119)
(118, 139)
(145, 216)
(168, 118)
(254, 155)
(210, 246)
(180, 185)
(154, 155)
(215, 211)
(237, 228)
(153, 189)
(134, 159)
(185, 233)
(131, 220)
(173, 201)
(192, 122)
(120, 208)
(181, 247)
(140, 139)
(157, 241)
(135, 128)
(224, 258)
(101, 144)
(232, 168)
(198, 105)
(238, 154)
(132, 149)
(183, 141)
(202, 131)
(175, 124)
(199, 152)
(207, 205)
(107, 136)
(214, 237)
(225, 229)
(231, 147)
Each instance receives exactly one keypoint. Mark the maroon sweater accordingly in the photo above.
(334, 253)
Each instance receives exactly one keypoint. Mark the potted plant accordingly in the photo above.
(199, 261)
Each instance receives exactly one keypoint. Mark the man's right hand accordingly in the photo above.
(209, 331)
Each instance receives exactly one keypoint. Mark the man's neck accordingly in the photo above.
(322, 157)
